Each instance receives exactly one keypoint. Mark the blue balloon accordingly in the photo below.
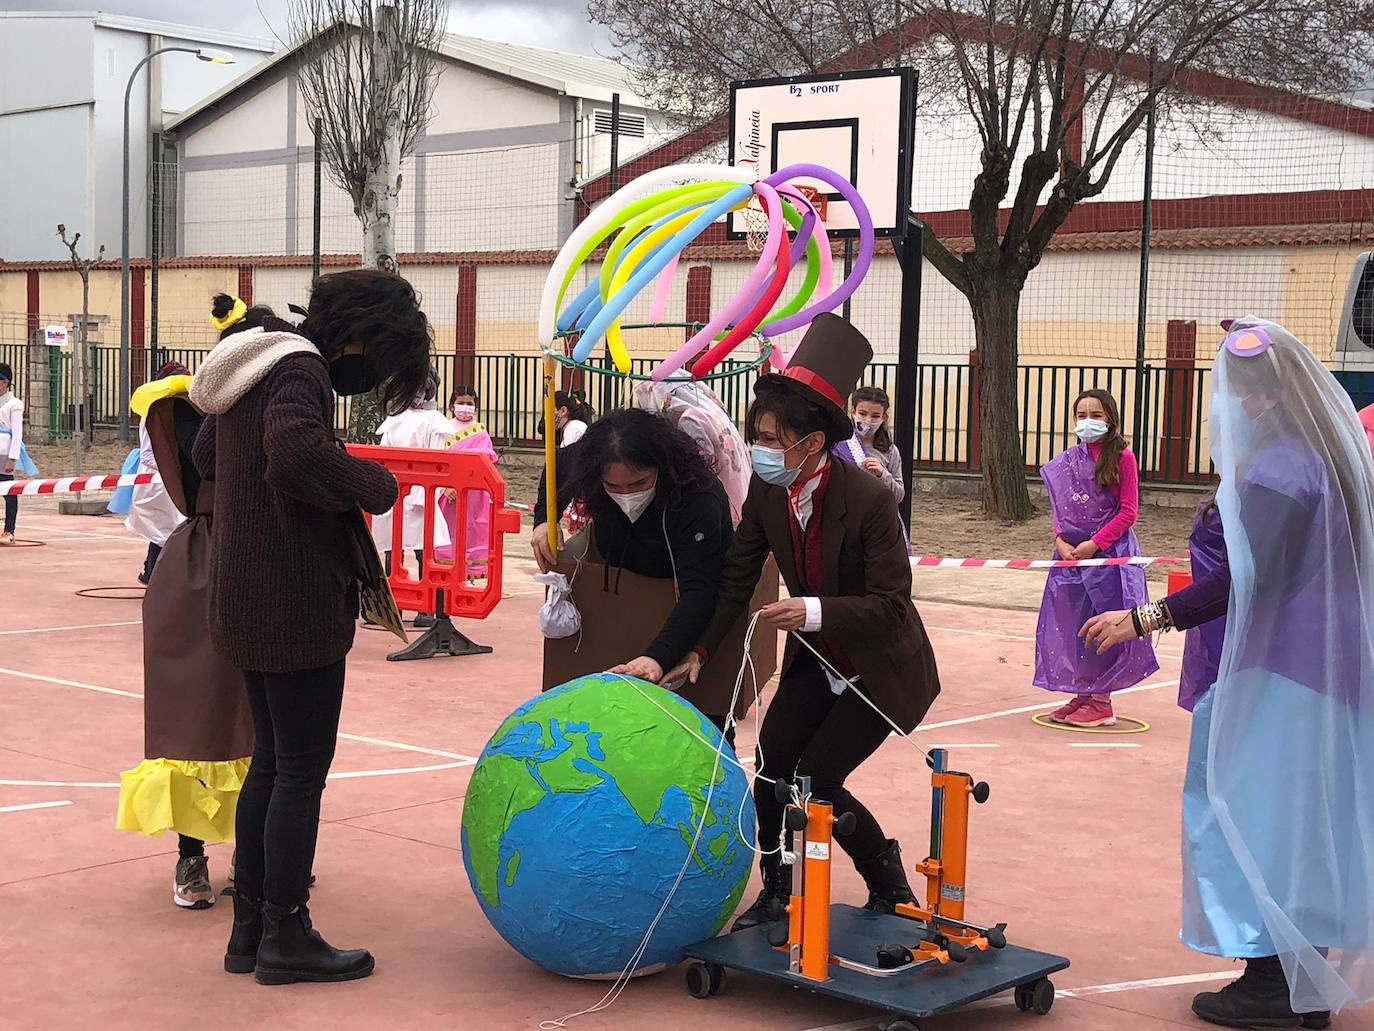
(646, 272)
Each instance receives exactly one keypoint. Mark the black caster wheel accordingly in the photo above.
(1036, 997)
(901, 1025)
(699, 981)
(957, 953)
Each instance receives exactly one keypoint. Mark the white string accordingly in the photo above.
(627, 972)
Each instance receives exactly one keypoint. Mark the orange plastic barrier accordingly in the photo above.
(1178, 580)
(442, 587)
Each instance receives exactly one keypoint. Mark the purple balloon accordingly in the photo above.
(804, 234)
(861, 262)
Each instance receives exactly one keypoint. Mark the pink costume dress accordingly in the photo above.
(470, 436)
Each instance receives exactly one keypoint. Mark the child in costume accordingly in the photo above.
(1094, 497)
(871, 446)
(198, 734)
(468, 435)
(1278, 800)
(835, 534)
(151, 513)
(422, 425)
(14, 457)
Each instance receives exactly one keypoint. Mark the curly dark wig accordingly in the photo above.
(641, 441)
(382, 312)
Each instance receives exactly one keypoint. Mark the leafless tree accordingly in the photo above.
(367, 78)
(83, 268)
(1034, 75)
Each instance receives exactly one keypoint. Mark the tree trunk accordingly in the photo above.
(996, 302)
(377, 212)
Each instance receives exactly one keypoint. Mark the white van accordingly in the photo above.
(1355, 337)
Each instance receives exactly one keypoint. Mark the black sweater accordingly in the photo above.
(688, 536)
(283, 595)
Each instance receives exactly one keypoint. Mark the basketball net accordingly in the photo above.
(755, 219)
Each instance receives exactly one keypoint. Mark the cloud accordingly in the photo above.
(556, 24)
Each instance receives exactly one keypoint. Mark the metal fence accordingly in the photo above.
(1164, 410)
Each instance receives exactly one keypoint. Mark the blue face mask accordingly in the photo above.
(1089, 430)
(770, 465)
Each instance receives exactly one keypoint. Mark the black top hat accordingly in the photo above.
(825, 368)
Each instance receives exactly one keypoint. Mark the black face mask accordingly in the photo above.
(352, 374)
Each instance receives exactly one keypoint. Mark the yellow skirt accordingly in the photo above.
(194, 798)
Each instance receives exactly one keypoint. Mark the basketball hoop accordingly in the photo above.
(755, 219)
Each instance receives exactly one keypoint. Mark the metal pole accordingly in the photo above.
(848, 268)
(155, 248)
(124, 248)
(910, 255)
(1142, 302)
(607, 383)
(79, 385)
(315, 218)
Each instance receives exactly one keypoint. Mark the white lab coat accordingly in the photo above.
(151, 513)
(417, 428)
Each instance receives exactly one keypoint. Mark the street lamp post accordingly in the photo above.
(202, 54)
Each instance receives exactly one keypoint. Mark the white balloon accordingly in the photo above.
(602, 214)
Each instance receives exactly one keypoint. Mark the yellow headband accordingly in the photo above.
(236, 314)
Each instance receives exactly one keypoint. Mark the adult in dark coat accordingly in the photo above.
(835, 534)
(284, 597)
(658, 512)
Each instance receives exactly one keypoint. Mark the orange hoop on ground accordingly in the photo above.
(20, 542)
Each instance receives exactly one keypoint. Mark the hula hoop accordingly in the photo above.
(1135, 725)
(20, 542)
(98, 593)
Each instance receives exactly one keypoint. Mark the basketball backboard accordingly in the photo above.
(860, 124)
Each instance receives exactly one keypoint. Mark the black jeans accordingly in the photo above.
(811, 731)
(295, 727)
(11, 505)
(150, 561)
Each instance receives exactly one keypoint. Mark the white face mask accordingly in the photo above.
(633, 505)
(1089, 430)
(465, 413)
(865, 428)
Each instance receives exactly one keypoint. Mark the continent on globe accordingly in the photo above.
(581, 814)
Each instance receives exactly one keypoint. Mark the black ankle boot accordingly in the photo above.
(292, 950)
(777, 889)
(1258, 998)
(241, 955)
(886, 879)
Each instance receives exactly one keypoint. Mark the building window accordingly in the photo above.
(630, 125)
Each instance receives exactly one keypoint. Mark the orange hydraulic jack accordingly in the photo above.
(884, 960)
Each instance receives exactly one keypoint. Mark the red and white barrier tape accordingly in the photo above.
(77, 484)
(941, 562)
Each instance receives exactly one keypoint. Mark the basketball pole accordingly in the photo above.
(910, 256)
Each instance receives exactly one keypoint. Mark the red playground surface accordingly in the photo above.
(1077, 849)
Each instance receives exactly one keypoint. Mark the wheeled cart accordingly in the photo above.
(918, 962)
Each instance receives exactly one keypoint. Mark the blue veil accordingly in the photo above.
(1290, 758)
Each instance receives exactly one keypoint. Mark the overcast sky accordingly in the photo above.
(557, 24)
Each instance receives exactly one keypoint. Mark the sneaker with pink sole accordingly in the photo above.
(1062, 714)
(1093, 712)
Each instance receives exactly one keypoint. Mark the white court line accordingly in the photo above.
(1103, 744)
(401, 747)
(1014, 637)
(960, 744)
(383, 742)
(68, 683)
(60, 629)
(962, 721)
(58, 784)
(32, 805)
(344, 775)
(1088, 991)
